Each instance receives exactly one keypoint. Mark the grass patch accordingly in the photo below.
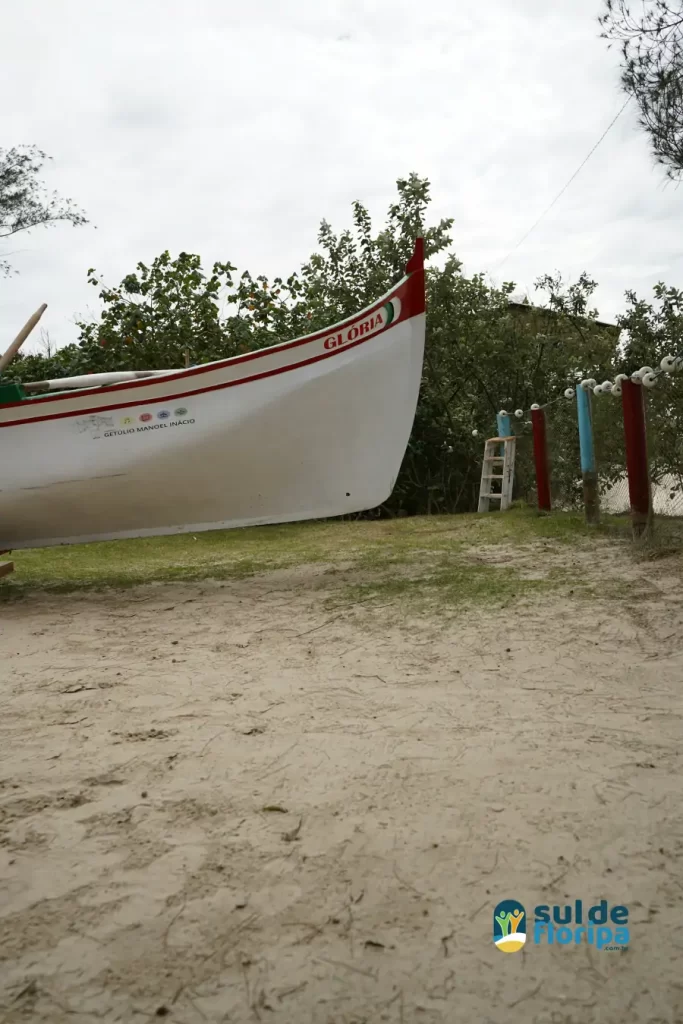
(428, 547)
(663, 540)
(128, 563)
(460, 583)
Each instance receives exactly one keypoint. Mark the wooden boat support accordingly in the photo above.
(6, 567)
(307, 429)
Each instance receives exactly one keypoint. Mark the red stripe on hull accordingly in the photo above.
(411, 295)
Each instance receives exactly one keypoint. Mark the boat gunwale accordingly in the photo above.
(218, 363)
(100, 409)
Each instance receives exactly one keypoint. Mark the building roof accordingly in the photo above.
(517, 304)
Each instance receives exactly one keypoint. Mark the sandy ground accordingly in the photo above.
(229, 803)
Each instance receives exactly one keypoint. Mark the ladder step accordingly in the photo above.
(505, 464)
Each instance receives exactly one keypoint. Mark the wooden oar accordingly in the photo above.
(21, 337)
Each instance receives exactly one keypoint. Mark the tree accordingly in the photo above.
(482, 351)
(485, 353)
(156, 315)
(352, 269)
(653, 330)
(24, 200)
(652, 70)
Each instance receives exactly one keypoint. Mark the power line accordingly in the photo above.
(564, 189)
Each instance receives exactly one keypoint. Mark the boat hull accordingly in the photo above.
(303, 431)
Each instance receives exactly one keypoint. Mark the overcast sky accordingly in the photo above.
(230, 130)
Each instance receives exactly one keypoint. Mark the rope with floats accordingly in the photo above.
(646, 375)
(631, 387)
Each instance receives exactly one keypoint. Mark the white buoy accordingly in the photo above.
(597, 390)
(569, 393)
(636, 377)
(519, 413)
(503, 412)
(535, 406)
(475, 433)
(616, 390)
(649, 380)
(668, 364)
(606, 387)
(591, 382)
(620, 378)
(584, 385)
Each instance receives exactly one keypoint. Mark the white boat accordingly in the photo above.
(306, 429)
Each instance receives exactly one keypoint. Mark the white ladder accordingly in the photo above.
(488, 474)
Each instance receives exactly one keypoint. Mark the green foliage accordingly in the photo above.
(483, 350)
(483, 354)
(582, 347)
(653, 330)
(24, 202)
(156, 315)
(351, 270)
(651, 41)
(648, 331)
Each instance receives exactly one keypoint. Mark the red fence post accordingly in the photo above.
(633, 405)
(541, 459)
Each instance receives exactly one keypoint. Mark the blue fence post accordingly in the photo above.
(589, 473)
(504, 425)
